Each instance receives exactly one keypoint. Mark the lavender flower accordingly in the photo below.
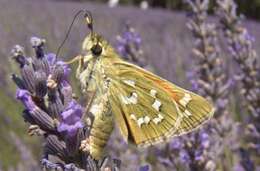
(129, 46)
(50, 109)
(128, 38)
(71, 119)
(25, 97)
(240, 45)
(241, 48)
(51, 58)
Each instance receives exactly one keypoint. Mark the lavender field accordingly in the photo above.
(216, 56)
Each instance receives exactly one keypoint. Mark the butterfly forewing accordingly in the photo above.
(149, 109)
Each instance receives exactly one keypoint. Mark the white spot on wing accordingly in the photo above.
(130, 83)
(185, 100)
(160, 116)
(156, 105)
(140, 121)
(153, 92)
(147, 119)
(132, 116)
(124, 100)
(94, 109)
(158, 119)
(133, 98)
(130, 100)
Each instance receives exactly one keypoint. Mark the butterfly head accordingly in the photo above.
(94, 45)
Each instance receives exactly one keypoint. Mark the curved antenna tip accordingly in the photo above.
(89, 19)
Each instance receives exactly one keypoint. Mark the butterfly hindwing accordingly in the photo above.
(149, 109)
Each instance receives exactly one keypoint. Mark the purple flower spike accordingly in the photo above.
(71, 119)
(132, 36)
(25, 97)
(129, 46)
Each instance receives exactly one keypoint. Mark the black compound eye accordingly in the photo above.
(96, 50)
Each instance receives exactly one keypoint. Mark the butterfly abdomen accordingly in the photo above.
(102, 126)
(99, 135)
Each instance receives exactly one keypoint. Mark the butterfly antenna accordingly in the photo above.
(89, 20)
(87, 16)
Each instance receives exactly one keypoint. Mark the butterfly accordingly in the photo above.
(147, 108)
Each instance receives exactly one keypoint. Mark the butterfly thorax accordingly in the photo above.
(96, 73)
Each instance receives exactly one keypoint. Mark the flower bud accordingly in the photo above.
(42, 119)
(27, 74)
(40, 84)
(55, 106)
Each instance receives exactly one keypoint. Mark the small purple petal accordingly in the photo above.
(71, 118)
(176, 144)
(204, 136)
(144, 168)
(138, 40)
(184, 156)
(70, 130)
(205, 141)
(51, 58)
(248, 37)
(25, 97)
(198, 155)
(221, 103)
(72, 113)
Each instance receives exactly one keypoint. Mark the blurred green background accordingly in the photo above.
(168, 50)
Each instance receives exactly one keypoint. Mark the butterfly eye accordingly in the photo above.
(96, 50)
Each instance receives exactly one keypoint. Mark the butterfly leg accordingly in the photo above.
(75, 59)
(100, 131)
